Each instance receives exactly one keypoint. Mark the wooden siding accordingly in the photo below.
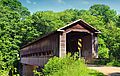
(48, 46)
(37, 61)
(27, 70)
(87, 47)
(77, 27)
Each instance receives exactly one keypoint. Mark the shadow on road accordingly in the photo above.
(114, 74)
(92, 65)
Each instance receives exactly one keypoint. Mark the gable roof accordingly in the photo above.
(89, 27)
(82, 22)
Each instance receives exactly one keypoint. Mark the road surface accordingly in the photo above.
(107, 70)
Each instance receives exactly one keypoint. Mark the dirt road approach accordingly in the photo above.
(107, 70)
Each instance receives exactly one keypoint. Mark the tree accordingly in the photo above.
(46, 22)
(18, 27)
(10, 37)
(103, 10)
(16, 6)
(118, 21)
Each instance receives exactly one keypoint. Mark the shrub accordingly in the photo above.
(68, 66)
(114, 63)
(101, 61)
(36, 73)
(4, 73)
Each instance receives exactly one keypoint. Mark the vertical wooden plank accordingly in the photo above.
(28, 70)
(62, 45)
(87, 47)
(96, 46)
(93, 46)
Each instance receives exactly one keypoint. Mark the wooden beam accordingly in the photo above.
(38, 61)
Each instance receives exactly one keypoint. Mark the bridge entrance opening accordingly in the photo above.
(78, 42)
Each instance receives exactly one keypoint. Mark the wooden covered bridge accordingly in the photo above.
(77, 36)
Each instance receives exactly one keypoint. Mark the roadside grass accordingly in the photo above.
(114, 63)
(95, 73)
(107, 62)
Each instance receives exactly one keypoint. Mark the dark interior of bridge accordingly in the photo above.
(72, 42)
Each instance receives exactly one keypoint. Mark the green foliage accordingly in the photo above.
(16, 6)
(112, 40)
(103, 10)
(3, 73)
(8, 46)
(103, 50)
(101, 61)
(46, 21)
(18, 27)
(10, 37)
(118, 21)
(110, 33)
(36, 73)
(114, 63)
(68, 66)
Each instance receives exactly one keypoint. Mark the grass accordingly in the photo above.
(95, 73)
(114, 63)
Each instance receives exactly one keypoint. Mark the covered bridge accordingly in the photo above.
(77, 36)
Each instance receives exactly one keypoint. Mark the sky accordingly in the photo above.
(60, 5)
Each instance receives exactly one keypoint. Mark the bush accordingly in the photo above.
(3, 73)
(114, 63)
(102, 50)
(101, 61)
(36, 73)
(68, 66)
